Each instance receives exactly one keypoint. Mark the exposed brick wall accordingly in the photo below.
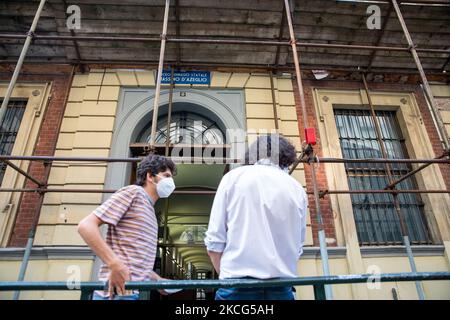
(325, 203)
(432, 133)
(309, 85)
(45, 145)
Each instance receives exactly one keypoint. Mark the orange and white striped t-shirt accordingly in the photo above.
(132, 231)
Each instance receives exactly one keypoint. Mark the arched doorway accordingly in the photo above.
(199, 117)
(184, 219)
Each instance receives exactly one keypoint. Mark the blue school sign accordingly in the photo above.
(187, 77)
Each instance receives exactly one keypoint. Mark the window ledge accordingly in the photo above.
(48, 253)
(396, 251)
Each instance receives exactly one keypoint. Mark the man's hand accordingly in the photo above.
(119, 274)
(215, 259)
(157, 277)
(90, 232)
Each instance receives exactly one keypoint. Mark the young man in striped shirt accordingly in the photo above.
(129, 251)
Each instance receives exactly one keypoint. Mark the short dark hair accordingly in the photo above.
(153, 164)
(274, 147)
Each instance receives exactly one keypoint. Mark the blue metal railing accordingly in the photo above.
(318, 283)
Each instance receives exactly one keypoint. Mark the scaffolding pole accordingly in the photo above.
(321, 232)
(24, 173)
(223, 66)
(169, 113)
(428, 93)
(232, 160)
(413, 172)
(154, 123)
(401, 217)
(322, 193)
(165, 237)
(267, 42)
(19, 64)
(32, 233)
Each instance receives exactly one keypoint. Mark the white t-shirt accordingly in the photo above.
(258, 221)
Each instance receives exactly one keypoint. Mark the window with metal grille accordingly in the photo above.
(9, 128)
(375, 215)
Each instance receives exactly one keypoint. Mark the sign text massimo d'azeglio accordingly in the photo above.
(187, 77)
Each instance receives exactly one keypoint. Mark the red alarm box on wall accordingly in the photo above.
(310, 136)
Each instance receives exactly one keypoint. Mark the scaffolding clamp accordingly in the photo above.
(31, 34)
(42, 189)
(323, 193)
(149, 149)
(446, 153)
(308, 151)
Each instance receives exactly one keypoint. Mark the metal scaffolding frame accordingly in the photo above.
(307, 156)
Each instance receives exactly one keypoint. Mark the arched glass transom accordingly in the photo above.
(185, 128)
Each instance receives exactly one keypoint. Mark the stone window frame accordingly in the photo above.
(417, 142)
(37, 96)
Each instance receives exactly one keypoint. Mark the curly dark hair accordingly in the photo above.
(153, 164)
(275, 147)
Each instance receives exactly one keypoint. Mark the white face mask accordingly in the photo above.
(165, 187)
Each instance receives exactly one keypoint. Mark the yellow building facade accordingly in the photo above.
(88, 127)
